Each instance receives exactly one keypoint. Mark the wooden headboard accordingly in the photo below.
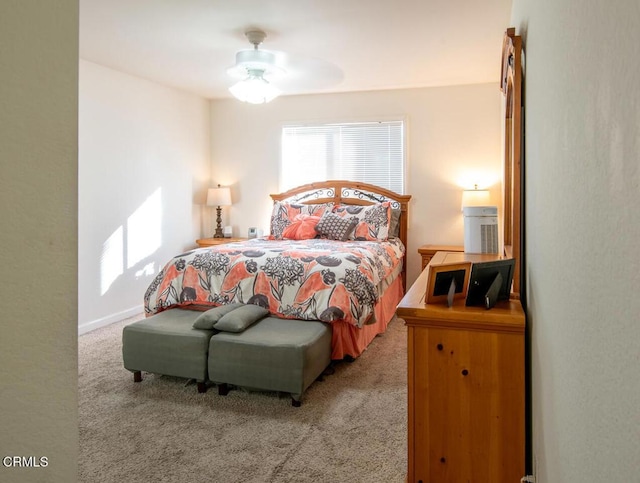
(351, 193)
(513, 208)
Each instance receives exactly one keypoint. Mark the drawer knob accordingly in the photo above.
(443, 460)
(440, 347)
(465, 372)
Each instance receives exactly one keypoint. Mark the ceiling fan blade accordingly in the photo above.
(305, 72)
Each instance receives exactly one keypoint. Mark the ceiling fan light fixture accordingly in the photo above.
(255, 67)
(255, 89)
(247, 60)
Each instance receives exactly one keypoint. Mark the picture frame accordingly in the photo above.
(485, 287)
(439, 286)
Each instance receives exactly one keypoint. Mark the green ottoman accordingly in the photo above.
(272, 355)
(166, 343)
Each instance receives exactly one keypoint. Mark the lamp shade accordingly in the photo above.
(219, 196)
(475, 197)
(255, 89)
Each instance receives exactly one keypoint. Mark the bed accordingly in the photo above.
(351, 275)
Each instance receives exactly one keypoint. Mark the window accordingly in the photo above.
(370, 152)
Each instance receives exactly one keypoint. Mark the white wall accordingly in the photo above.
(453, 138)
(582, 163)
(38, 238)
(144, 167)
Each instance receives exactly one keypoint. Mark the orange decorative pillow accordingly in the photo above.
(303, 227)
(284, 213)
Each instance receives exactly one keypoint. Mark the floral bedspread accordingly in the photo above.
(313, 279)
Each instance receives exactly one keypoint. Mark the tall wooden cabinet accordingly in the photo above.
(466, 388)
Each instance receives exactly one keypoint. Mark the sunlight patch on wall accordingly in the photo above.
(111, 260)
(146, 271)
(144, 229)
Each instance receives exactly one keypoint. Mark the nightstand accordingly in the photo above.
(209, 242)
(428, 251)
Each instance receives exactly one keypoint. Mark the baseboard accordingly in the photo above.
(110, 319)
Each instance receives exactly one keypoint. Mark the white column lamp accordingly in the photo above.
(480, 222)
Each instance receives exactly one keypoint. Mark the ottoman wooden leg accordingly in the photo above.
(295, 403)
(330, 370)
(137, 376)
(223, 389)
(202, 387)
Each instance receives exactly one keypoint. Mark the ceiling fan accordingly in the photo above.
(258, 70)
(255, 68)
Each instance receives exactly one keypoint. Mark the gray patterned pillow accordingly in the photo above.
(336, 227)
(394, 224)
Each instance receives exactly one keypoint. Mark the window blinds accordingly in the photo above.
(370, 152)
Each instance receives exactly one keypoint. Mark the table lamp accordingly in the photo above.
(219, 197)
(475, 197)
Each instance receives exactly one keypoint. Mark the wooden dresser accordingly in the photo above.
(466, 387)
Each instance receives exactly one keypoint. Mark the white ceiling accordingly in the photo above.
(348, 45)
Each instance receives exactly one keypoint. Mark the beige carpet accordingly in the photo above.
(351, 427)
